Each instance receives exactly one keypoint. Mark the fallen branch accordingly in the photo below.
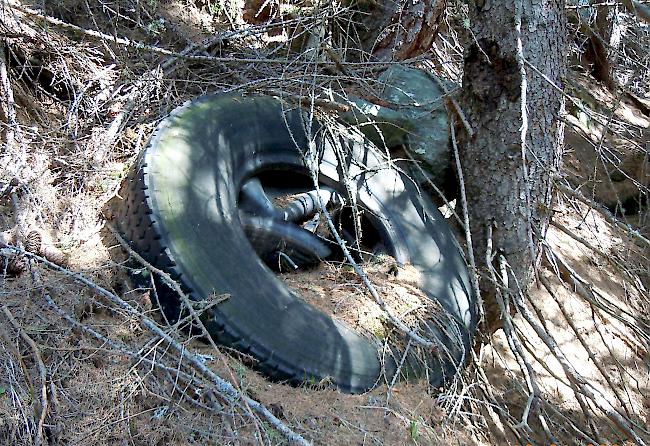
(572, 374)
(109, 38)
(118, 346)
(583, 342)
(42, 372)
(608, 257)
(629, 230)
(186, 54)
(140, 93)
(584, 289)
(586, 243)
(503, 300)
(223, 387)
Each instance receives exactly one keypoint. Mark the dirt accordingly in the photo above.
(284, 200)
(337, 290)
(97, 394)
(104, 398)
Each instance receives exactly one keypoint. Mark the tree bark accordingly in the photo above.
(509, 161)
(399, 29)
(603, 44)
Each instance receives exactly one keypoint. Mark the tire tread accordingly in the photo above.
(136, 222)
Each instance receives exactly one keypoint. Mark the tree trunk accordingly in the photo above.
(397, 30)
(509, 187)
(603, 44)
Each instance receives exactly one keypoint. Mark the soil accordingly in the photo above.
(337, 290)
(97, 394)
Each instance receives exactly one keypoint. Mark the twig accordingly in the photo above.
(491, 404)
(304, 101)
(168, 280)
(603, 210)
(123, 349)
(457, 107)
(502, 298)
(580, 397)
(468, 233)
(584, 289)
(577, 430)
(139, 94)
(585, 242)
(608, 257)
(42, 371)
(582, 341)
(187, 55)
(431, 184)
(389, 392)
(364, 277)
(184, 298)
(572, 374)
(142, 89)
(225, 388)
(313, 163)
(107, 37)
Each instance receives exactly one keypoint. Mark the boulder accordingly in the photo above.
(412, 114)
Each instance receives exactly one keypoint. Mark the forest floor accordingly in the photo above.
(85, 106)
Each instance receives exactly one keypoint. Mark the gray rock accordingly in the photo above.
(416, 118)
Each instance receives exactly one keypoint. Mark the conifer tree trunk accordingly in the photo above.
(603, 44)
(513, 67)
(397, 30)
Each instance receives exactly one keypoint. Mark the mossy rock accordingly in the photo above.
(415, 118)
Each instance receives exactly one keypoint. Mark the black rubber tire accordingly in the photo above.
(179, 211)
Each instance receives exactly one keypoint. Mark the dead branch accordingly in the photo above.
(582, 341)
(224, 388)
(502, 298)
(586, 243)
(419, 340)
(572, 374)
(141, 46)
(138, 356)
(456, 106)
(585, 290)
(629, 230)
(582, 402)
(306, 101)
(492, 406)
(102, 36)
(468, 234)
(620, 267)
(431, 184)
(207, 300)
(140, 93)
(42, 372)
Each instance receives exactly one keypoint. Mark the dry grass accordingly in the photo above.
(338, 291)
(84, 106)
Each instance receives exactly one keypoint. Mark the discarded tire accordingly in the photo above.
(180, 211)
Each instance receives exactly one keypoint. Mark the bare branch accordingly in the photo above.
(42, 372)
(223, 387)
